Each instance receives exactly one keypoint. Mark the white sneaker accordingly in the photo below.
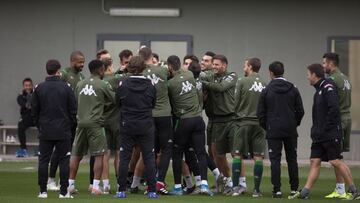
(42, 195)
(106, 190)
(67, 196)
(72, 190)
(52, 186)
(8, 139)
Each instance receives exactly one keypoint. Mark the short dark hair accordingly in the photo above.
(220, 57)
(195, 68)
(126, 53)
(210, 53)
(52, 66)
(145, 53)
(318, 69)
(107, 63)
(255, 63)
(136, 65)
(95, 65)
(155, 56)
(174, 62)
(277, 68)
(27, 80)
(192, 57)
(75, 54)
(333, 57)
(101, 52)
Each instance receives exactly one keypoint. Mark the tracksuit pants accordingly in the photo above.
(25, 123)
(275, 148)
(189, 130)
(46, 148)
(144, 136)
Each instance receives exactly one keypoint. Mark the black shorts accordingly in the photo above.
(164, 132)
(326, 151)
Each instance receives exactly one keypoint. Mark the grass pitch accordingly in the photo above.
(18, 183)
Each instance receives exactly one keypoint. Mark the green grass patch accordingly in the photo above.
(18, 183)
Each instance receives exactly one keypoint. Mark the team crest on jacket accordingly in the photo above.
(88, 90)
(186, 87)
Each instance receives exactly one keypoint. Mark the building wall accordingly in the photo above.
(294, 33)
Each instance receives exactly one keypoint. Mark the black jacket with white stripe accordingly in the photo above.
(325, 113)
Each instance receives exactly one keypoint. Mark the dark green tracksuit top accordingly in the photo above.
(93, 95)
(183, 95)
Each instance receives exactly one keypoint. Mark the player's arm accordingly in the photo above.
(299, 108)
(35, 108)
(225, 84)
(262, 109)
(332, 100)
(72, 107)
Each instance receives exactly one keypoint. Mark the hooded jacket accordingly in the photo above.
(280, 109)
(136, 97)
(53, 109)
(325, 113)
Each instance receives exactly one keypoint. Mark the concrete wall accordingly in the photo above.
(295, 33)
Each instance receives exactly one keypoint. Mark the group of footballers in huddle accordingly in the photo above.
(148, 112)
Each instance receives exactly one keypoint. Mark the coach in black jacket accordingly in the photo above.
(54, 112)
(280, 111)
(325, 131)
(136, 97)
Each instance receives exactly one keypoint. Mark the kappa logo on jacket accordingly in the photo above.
(186, 87)
(88, 90)
(257, 87)
(154, 79)
(347, 85)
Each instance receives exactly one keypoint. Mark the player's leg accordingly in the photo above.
(290, 145)
(258, 146)
(63, 148)
(79, 149)
(275, 148)
(97, 148)
(45, 150)
(138, 174)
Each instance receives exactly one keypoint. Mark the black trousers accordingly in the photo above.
(275, 148)
(144, 136)
(25, 123)
(189, 130)
(54, 161)
(163, 144)
(46, 148)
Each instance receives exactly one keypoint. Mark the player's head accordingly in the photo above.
(315, 73)
(125, 56)
(108, 66)
(207, 60)
(136, 65)
(276, 69)
(96, 67)
(173, 63)
(195, 68)
(77, 60)
(252, 65)
(103, 54)
(330, 62)
(27, 84)
(219, 63)
(146, 54)
(155, 58)
(189, 59)
(52, 67)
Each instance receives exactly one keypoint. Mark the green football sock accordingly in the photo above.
(236, 169)
(258, 171)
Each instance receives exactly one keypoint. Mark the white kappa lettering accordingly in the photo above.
(88, 91)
